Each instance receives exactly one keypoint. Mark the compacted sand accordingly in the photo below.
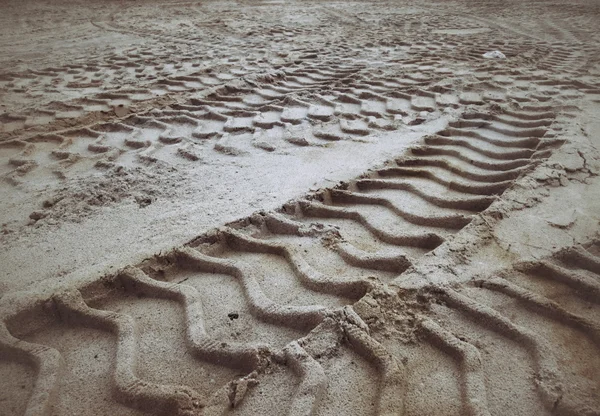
(299, 207)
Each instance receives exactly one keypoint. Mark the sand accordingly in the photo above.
(304, 208)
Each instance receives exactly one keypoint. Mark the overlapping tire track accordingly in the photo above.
(335, 99)
(240, 314)
(548, 327)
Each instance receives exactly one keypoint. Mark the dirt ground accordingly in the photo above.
(300, 207)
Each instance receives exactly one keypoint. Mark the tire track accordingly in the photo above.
(236, 119)
(407, 208)
(288, 311)
(246, 119)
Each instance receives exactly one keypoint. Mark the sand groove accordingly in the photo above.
(129, 389)
(500, 304)
(470, 361)
(47, 364)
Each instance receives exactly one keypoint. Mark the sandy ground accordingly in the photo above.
(305, 208)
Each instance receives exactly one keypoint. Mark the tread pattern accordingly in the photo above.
(291, 242)
(294, 307)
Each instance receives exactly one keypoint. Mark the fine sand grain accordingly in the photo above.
(303, 208)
